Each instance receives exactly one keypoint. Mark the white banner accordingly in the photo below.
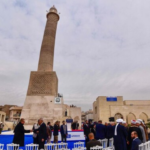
(72, 136)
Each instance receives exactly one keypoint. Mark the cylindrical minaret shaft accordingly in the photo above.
(48, 43)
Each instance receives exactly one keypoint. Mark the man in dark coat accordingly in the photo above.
(64, 132)
(120, 135)
(136, 141)
(132, 128)
(19, 133)
(42, 133)
(86, 129)
(100, 131)
(92, 142)
(109, 132)
(55, 133)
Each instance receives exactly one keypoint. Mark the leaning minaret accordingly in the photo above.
(43, 83)
(48, 43)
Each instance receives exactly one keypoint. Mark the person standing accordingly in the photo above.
(100, 131)
(132, 128)
(120, 135)
(86, 129)
(92, 127)
(109, 132)
(1, 127)
(42, 133)
(63, 131)
(55, 133)
(73, 126)
(49, 133)
(138, 123)
(51, 127)
(19, 132)
(136, 141)
(145, 129)
(35, 134)
(77, 125)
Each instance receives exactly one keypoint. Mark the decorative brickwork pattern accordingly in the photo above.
(45, 83)
(48, 43)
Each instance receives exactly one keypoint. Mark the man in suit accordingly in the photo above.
(132, 128)
(55, 133)
(136, 141)
(49, 133)
(100, 131)
(92, 142)
(35, 134)
(63, 131)
(42, 133)
(19, 133)
(86, 129)
(120, 135)
(75, 125)
(109, 132)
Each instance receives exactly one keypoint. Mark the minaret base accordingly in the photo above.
(36, 107)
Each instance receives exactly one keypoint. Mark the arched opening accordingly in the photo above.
(66, 113)
(118, 116)
(144, 117)
(76, 118)
(130, 117)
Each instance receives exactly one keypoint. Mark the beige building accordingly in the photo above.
(2, 116)
(5, 109)
(106, 107)
(15, 113)
(87, 115)
(83, 116)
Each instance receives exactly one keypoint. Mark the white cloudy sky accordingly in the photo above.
(102, 48)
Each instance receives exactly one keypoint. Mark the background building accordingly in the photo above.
(5, 109)
(15, 113)
(106, 107)
(2, 116)
(87, 115)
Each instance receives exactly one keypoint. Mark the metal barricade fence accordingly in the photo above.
(79, 148)
(104, 143)
(148, 144)
(141, 147)
(111, 142)
(108, 148)
(79, 145)
(62, 145)
(58, 146)
(1, 146)
(50, 146)
(96, 148)
(12, 146)
(32, 147)
(145, 145)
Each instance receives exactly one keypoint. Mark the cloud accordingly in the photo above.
(102, 48)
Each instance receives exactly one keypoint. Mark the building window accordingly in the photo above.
(65, 113)
(95, 110)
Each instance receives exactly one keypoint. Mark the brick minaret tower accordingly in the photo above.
(43, 84)
(48, 43)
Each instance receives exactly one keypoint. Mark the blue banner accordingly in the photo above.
(111, 99)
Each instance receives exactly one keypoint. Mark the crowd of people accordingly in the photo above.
(41, 132)
(125, 137)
